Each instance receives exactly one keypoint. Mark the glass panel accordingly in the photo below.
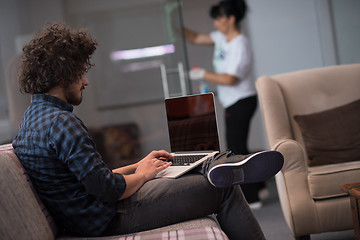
(136, 38)
(134, 43)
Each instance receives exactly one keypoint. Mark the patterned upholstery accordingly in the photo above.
(23, 215)
(197, 233)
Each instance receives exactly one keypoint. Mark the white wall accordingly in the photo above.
(18, 20)
(347, 30)
(285, 36)
(9, 28)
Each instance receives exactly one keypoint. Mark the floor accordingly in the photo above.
(274, 226)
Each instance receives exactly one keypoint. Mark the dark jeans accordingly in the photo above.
(237, 120)
(161, 202)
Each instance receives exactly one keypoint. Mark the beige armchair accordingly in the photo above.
(311, 197)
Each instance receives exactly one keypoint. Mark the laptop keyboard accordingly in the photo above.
(186, 160)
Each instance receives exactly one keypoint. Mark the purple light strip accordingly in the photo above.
(142, 52)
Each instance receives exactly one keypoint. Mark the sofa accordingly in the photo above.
(24, 216)
(312, 117)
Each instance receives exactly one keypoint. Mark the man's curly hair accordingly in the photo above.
(57, 55)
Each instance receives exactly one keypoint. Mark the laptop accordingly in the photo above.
(193, 132)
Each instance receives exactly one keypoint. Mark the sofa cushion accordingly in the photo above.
(23, 216)
(200, 228)
(197, 233)
(326, 181)
(332, 136)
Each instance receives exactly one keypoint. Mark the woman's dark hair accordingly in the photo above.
(237, 8)
(55, 56)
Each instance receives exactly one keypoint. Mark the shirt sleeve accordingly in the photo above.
(214, 35)
(74, 146)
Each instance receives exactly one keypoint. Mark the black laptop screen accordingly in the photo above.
(192, 123)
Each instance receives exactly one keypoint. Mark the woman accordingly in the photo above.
(233, 65)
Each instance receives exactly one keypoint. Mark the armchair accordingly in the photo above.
(310, 196)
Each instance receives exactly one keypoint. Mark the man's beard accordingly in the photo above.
(73, 98)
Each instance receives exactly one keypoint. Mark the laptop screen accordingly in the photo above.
(192, 123)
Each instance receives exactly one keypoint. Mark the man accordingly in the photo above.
(81, 192)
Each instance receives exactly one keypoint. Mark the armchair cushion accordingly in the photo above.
(326, 181)
(332, 136)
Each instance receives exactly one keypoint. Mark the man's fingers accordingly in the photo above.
(164, 166)
(162, 154)
(159, 163)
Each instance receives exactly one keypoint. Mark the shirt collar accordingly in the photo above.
(40, 98)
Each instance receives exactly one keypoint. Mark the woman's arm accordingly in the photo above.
(218, 78)
(197, 38)
(223, 79)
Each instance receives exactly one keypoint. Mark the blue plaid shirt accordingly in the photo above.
(68, 173)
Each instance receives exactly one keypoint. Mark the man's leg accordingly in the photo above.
(161, 202)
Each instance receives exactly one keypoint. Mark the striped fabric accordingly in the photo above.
(197, 233)
(6, 147)
(210, 233)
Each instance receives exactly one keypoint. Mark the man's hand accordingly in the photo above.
(146, 170)
(153, 163)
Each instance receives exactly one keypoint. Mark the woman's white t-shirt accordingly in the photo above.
(234, 58)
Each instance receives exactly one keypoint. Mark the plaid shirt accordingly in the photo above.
(68, 173)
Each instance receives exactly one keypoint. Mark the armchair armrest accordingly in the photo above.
(294, 155)
(273, 109)
(293, 189)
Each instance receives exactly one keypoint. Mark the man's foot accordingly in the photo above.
(226, 170)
